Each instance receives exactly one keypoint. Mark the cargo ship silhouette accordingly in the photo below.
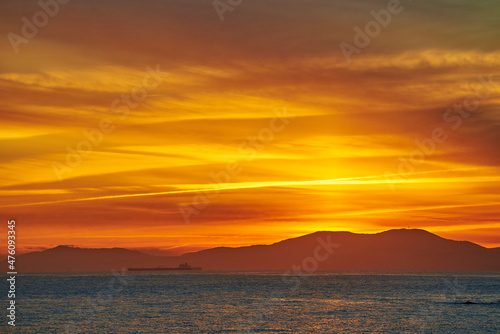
(182, 266)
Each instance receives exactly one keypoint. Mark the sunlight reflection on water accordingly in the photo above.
(260, 302)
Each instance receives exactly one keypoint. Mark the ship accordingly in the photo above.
(182, 266)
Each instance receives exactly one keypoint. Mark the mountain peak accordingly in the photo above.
(392, 250)
(407, 231)
(63, 247)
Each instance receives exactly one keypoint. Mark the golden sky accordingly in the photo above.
(122, 118)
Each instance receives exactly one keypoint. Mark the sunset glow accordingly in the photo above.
(159, 126)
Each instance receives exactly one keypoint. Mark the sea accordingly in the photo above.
(254, 302)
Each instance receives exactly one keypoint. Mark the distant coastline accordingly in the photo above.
(394, 250)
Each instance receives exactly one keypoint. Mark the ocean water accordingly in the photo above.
(256, 302)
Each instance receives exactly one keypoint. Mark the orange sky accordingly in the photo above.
(313, 141)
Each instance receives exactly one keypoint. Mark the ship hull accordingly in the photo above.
(163, 269)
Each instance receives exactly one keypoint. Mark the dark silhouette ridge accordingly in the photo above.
(393, 250)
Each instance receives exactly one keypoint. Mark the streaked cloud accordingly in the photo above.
(327, 169)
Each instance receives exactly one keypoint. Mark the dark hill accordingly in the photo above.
(394, 250)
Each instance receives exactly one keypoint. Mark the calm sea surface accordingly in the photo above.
(255, 302)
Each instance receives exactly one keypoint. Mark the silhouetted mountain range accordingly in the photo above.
(394, 250)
